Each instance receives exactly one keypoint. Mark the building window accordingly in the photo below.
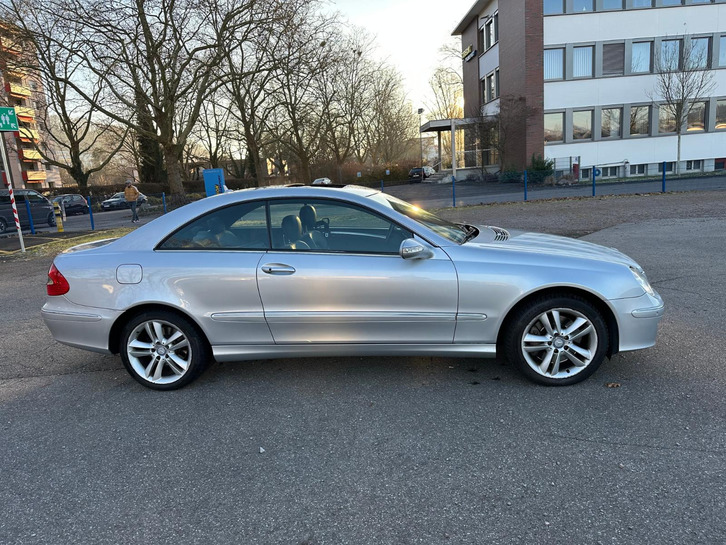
(693, 165)
(553, 7)
(638, 169)
(610, 122)
(699, 55)
(491, 91)
(722, 51)
(582, 125)
(642, 3)
(613, 59)
(491, 31)
(612, 4)
(640, 120)
(609, 172)
(553, 124)
(666, 120)
(480, 41)
(697, 117)
(578, 6)
(554, 63)
(670, 55)
(719, 164)
(669, 167)
(671, 2)
(585, 173)
(582, 62)
(496, 82)
(642, 57)
(721, 114)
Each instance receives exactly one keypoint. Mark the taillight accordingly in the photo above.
(57, 284)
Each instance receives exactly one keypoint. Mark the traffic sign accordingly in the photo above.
(8, 120)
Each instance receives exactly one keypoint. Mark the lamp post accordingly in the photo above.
(420, 141)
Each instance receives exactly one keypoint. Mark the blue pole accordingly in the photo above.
(90, 213)
(163, 201)
(30, 216)
(453, 189)
(525, 185)
(381, 185)
(594, 175)
(664, 168)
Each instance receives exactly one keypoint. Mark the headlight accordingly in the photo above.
(642, 280)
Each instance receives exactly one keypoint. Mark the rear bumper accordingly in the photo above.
(82, 327)
(638, 319)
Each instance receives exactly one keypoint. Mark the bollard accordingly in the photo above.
(30, 216)
(525, 185)
(594, 176)
(662, 190)
(163, 201)
(453, 189)
(381, 186)
(90, 213)
(58, 217)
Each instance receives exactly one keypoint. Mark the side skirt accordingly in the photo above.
(259, 352)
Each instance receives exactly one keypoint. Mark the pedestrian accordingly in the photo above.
(132, 195)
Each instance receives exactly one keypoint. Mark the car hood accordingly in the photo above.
(539, 243)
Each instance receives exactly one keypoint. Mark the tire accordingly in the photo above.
(163, 350)
(51, 219)
(3, 226)
(556, 354)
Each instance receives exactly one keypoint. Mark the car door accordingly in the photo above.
(353, 286)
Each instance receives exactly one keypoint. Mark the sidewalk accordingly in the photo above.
(9, 244)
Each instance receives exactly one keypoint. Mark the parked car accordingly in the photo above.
(322, 181)
(40, 210)
(118, 201)
(306, 271)
(72, 203)
(421, 173)
(416, 173)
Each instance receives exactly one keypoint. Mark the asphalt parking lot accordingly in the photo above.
(387, 450)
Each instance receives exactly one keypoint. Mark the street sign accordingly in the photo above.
(8, 120)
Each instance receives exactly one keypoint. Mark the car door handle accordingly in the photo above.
(277, 268)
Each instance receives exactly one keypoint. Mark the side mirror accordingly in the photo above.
(410, 249)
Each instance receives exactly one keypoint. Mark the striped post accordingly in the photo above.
(7, 178)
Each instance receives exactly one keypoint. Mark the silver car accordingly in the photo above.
(320, 271)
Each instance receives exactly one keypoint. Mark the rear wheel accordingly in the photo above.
(163, 350)
(51, 219)
(557, 340)
(3, 226)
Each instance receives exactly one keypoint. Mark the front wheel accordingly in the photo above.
(51, 219)
(556, 341)
(163, 350)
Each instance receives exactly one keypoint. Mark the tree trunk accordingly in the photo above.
(173, 170)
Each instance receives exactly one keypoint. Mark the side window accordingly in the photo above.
(332, 226)
(238, 227)
(34, 197)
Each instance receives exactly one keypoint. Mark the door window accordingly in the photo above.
(332, 226)
(238, 227)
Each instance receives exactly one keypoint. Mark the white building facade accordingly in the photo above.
(597, 92)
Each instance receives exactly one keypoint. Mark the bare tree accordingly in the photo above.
(682, 78)
(393, 128)
(349, 85)
(297, 121)
(161, 55)
(75, 129)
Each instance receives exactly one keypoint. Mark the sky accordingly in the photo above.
(408, 34)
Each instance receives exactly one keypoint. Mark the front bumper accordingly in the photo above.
(88, 328)
(638, 319)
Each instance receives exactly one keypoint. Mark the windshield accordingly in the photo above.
(450, 231)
